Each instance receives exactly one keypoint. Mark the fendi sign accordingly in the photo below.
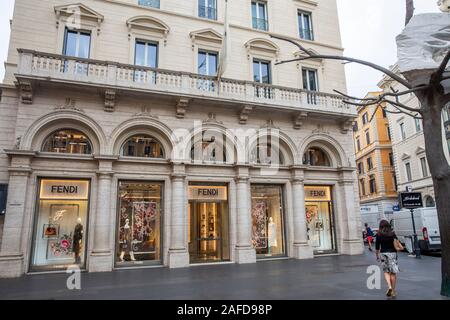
(208, 193)
(64, 189)
(313, 193)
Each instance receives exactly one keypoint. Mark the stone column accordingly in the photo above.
(101, 258)
(302, 249)
(245, 253)
(178, 253)
(11, 254)
(352, 242)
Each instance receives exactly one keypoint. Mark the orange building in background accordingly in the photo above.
(375, 164)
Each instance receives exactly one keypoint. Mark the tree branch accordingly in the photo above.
(311, 55)
(443, 66)
(409, 10)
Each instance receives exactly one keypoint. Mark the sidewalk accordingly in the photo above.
(332, 277)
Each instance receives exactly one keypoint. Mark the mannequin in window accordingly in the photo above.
(126, 242)
(272, 228)
(77, 239)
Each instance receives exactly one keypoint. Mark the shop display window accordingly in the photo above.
(67, 141)
(139, 223)
(268, 223)
(61, 224)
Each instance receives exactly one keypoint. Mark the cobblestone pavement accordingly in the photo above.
(331, 277)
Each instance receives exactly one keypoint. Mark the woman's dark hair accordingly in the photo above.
(385, 229)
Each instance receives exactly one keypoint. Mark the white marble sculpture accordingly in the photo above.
(424, 42)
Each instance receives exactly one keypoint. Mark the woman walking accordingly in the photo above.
(387, 253)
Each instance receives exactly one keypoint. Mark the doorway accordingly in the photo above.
(208, 225)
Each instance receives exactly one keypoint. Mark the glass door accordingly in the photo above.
(208, 232)
(320, 228)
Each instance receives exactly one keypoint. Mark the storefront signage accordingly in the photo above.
(64, 189)
(208, 193)
(411, 200)
(369, 209)
(317, 193)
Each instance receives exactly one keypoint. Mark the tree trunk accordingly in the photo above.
(440, 172)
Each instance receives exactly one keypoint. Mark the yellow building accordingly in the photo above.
(375, 163)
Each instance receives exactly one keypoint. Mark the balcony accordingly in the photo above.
(260, 24)
(35, 67)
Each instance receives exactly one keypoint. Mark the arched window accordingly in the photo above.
(67, 141)
(143, 146)
(316, 157)
(267, 153)
(429, 202)
(210, 147)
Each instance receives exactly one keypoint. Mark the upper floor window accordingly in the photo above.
(402, 131)
(310, 81)
(77, 44)
(149, 3)
(424, 166)
(259, 15)
(358, 144)
(365, 118)
(67, 141)
(384, 112)
(372, 184)
(388, 133)
(369, 163)
(391, 159)
(418, 125)
(143, 146)
(305, 25)
(261, 71)
(367, 137)
(207, 9)
(362, 184)
(360, 168)
(3, 197)
(408, 171)
(146, 54)
(207, 63)
(316, 157)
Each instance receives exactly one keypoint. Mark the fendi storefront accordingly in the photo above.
(60, 228)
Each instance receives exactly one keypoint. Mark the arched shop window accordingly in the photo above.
(267, 153)
(143, 146)
(67, 141)
(211, 147)
(429, 202)
(316, 157)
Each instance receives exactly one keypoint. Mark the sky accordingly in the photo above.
(368, 30)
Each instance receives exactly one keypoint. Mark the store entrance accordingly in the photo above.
(319, 219)
(208, 230)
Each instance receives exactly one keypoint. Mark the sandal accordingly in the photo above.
(389, 292)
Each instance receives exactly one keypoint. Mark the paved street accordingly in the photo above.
(333, 277)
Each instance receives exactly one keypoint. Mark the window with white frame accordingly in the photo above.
(261, 74)
(424, 166)
(77, 44)
(418, 125)
(259, 15)
(408, 171)
(207, 9)
(305, 26)
(402, 131)
(207, 66)
(149, 3)
(146, 55)
(310, 80)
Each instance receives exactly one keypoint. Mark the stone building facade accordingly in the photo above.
(122, 148)
(408, 144)
(375, 162)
